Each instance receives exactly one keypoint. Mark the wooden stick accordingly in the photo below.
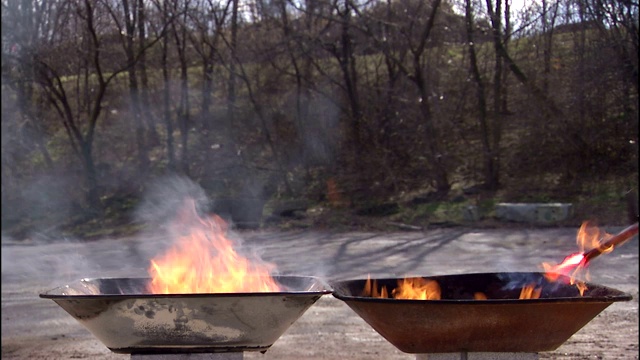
(616, 240)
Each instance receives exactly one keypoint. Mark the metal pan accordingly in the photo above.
(458, 323)
(126, 318)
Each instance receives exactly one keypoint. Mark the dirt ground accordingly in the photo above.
(35, 328)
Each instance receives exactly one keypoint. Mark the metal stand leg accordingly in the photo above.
(211, 356)
(479, 356)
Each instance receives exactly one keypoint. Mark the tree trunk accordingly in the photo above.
(136, 114)
(504, 109)
(207, 89)
(301, 72)
(434, 148)
(431, 136)
(480, 97)
(348, 66)
(546, 103)
(492, 181)
(91, 178)
(548, 25)
(153, 138)
(231, 86)
(24, 98)
(184, 107)
(166, 98)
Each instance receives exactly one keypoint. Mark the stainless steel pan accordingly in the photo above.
(126, 318)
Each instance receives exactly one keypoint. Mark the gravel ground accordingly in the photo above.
(35, 328)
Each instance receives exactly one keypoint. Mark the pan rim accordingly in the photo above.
(339, 294)
(326, 290)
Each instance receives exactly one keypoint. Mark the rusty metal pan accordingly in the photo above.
(126, 318)
(501, 323)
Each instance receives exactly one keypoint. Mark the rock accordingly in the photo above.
(541, 213)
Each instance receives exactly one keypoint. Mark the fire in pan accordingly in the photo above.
(202, 295)
(481, 312)
(488, 312)
(127, 318)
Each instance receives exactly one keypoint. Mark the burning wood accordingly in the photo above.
(597, 242)
(609, 245)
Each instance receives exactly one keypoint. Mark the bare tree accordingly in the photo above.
(166, 17)
(233, 46)
(246, 70)
(548, 18)
(347, 60)
(147, 115)
(74, 74)
(414, 35)
(126, 19)
(505, 40)
(299, 49)
(209, 20)
(494, 133)
(179, 31)
(25, 27)
(617, 22)
(481, 98)
(59, 91)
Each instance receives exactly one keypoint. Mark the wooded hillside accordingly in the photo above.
(348, 104)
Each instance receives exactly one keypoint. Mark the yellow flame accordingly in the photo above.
(416, 288)
(530, 292)
(203, 260)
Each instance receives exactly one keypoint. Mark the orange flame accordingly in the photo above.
(371, 289)
(480, 296)
(415, 288)
(530, 292)
(203, 260)
(589, 237)
(418, 288)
